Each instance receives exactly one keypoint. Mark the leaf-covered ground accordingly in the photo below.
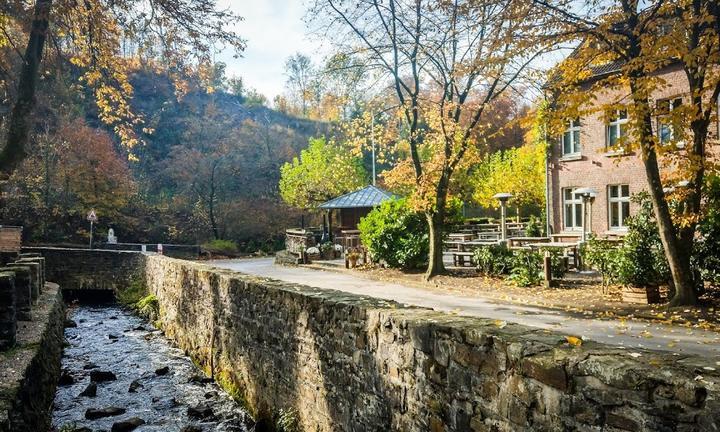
(583, 296)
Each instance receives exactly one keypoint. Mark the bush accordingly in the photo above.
(604, 257)
(526, 268)
(221, 247)
(493, 260)
(534, 227)
(641, 260)
(558, 264)
(396, 234)
(706, 256)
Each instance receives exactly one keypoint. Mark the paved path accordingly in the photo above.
(630, 334)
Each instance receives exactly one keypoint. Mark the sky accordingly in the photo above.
(274, 30)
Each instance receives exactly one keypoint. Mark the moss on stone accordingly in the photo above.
(133, 293)
(226, 381)
(149, 307)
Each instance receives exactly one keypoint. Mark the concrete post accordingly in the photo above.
(34, 277)
(23, 296)
(8, 315)
(39, 260)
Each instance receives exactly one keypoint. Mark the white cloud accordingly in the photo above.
(274, 30)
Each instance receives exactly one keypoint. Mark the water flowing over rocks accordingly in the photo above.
(135, 382)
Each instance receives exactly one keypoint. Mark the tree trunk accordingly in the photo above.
(677, 250)
(435, 257)
(19, 125)
(436, 225)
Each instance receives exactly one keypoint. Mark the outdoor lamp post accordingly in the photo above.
(503, 197)
(587, 194)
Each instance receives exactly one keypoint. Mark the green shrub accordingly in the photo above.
(641, 260)
(706, 256)
(534, 227)
(526, 268)
(396, 234)
(221, 247)
(603, 256)
(558, 264)
(493, 260)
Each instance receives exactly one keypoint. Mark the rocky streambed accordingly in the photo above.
(120, 374)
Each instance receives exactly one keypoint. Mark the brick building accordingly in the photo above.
(581, 158)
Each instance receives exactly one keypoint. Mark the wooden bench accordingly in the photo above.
(459, 258)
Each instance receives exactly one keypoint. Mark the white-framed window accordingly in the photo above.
(664, 119)
(616, 128)
(618, 206)
(572, 209)
(571, 138)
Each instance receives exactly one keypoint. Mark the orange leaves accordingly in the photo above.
(574, 341)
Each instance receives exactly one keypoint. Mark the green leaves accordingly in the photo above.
(640, 261)
(324, 170)
(493, 260)
(396, 234)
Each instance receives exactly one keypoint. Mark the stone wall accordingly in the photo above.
(343, 362)
(29, 371)
(85, 269)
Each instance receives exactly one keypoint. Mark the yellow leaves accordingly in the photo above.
(574, 341)
(500, 323)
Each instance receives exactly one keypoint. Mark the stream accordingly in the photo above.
(142, 382)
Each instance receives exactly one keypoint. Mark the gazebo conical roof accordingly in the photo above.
(369, 196)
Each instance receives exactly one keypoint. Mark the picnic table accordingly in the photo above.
(563, 237)
(350, 239)
(489, 235)
(461, 236)
(522, 241)
(566, 247)
(462, 251)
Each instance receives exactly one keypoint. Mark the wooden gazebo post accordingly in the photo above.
(329, 224)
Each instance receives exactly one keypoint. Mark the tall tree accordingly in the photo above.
(641, 40)
(301, 80)
(446, 63)
(90, 34)
(323, 171)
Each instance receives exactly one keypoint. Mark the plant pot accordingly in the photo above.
(353, 262)
(641, 295)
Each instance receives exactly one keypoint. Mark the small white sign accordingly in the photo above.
(160, 249)
(91, 216)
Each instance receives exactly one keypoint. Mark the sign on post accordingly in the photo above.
(92, 217)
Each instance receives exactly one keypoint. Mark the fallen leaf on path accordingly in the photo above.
(574, 341)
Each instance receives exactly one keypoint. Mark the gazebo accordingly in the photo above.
(353, 206)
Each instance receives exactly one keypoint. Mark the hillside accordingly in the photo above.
(208, 169)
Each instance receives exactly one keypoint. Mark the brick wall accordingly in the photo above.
(10, 238)
(349, 363)
(597, 169)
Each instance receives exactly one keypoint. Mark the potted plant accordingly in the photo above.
(351, 257)
(327, 251)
